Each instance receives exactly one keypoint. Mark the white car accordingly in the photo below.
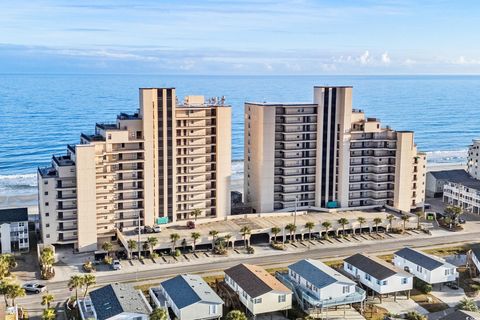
(116, 265)
(157, 229)
(34, 287)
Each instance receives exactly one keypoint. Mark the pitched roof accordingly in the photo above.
(457, 176)
(117, 298)
(462, 315)
(187, 289)
(422, 259)
(13, 215)
(476, 251)
(374, 266)
(255, 280)
(317, 273)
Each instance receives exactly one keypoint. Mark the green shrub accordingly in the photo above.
(277, 245)
(177, 253)
(422, 286)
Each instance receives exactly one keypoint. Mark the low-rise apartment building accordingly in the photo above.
(378, 275)
(14, 230)
(151, 167)
(425, 267)
(258, 290)
(324, 154)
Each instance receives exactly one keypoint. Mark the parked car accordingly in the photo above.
(142, 230)
(34, 287)
(157, 229)
(452, 285)
(149, 229)
(190, 224)
(461, 221)
(116, 265)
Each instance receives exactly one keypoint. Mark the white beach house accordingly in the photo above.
(378, 275)
(258, 290)
(318, 286)
(425, 267)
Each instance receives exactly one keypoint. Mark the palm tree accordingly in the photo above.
(377, 221)
(152, 242)
(343, 222)
(310, 225)
(108, 247)
(47, 258)
(195, 236)
(245, 231)
(291, 228)
(454, 212)
(275, 231)
(419, 214)
(327, 225)
(47, 299)
(361, 222)
(75, 282)
(195, 213)
(227, 238)
(15, 291)
(404, 218)
(132, 245)
(213, 234)
(235, 315)
(174, 238)
(49, 314)
(467, 305)
(88, 281)
(390, 219)
(159, 314)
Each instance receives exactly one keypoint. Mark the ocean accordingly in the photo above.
(40, 114)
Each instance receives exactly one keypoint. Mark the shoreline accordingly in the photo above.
(31, 200)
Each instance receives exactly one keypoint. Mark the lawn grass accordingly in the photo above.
(428, 302)
(448, 251)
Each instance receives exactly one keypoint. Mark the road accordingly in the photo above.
(61, 292)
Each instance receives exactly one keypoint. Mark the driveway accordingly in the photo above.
(401, 306)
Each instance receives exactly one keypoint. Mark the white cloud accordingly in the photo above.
(365, 58)
(409, 62)
(465, 61)
(386, 58)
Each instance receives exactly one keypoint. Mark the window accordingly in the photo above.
(404, 280)
(349, 266)
(45, 182)
(47, 225)
(46, 193)
(282, 298)
(367, 276)
(257, 300)
(47, 214)
(213, 309)
(346, 289)
(46, 204)
(47, 236)
(419, 269)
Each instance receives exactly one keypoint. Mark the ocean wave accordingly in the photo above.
(27, 183)
(18, 184)
(447, 156)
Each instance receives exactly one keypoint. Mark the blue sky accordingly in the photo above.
(240, 37)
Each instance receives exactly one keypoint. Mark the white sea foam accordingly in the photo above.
(16, 184)
(26, 184)
(449, 156)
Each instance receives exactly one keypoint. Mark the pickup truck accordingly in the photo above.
(34, 287)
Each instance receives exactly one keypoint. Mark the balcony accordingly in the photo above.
(308, 301)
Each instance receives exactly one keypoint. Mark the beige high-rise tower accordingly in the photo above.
(154, 166)
(326, 155)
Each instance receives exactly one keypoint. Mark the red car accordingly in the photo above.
(190, 225)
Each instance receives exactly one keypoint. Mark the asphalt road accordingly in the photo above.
(61, 291)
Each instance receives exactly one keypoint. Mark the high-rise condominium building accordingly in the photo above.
(472, 159)
(154, 166)
(325, 154)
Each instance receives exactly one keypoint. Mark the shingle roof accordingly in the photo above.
(457, 176)
(13, 215)
(317, 273)
(115, 299)
(462, 315)
(255, 280)
(374, 266)
(419, 258)
(476, 251)
(185, 290)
